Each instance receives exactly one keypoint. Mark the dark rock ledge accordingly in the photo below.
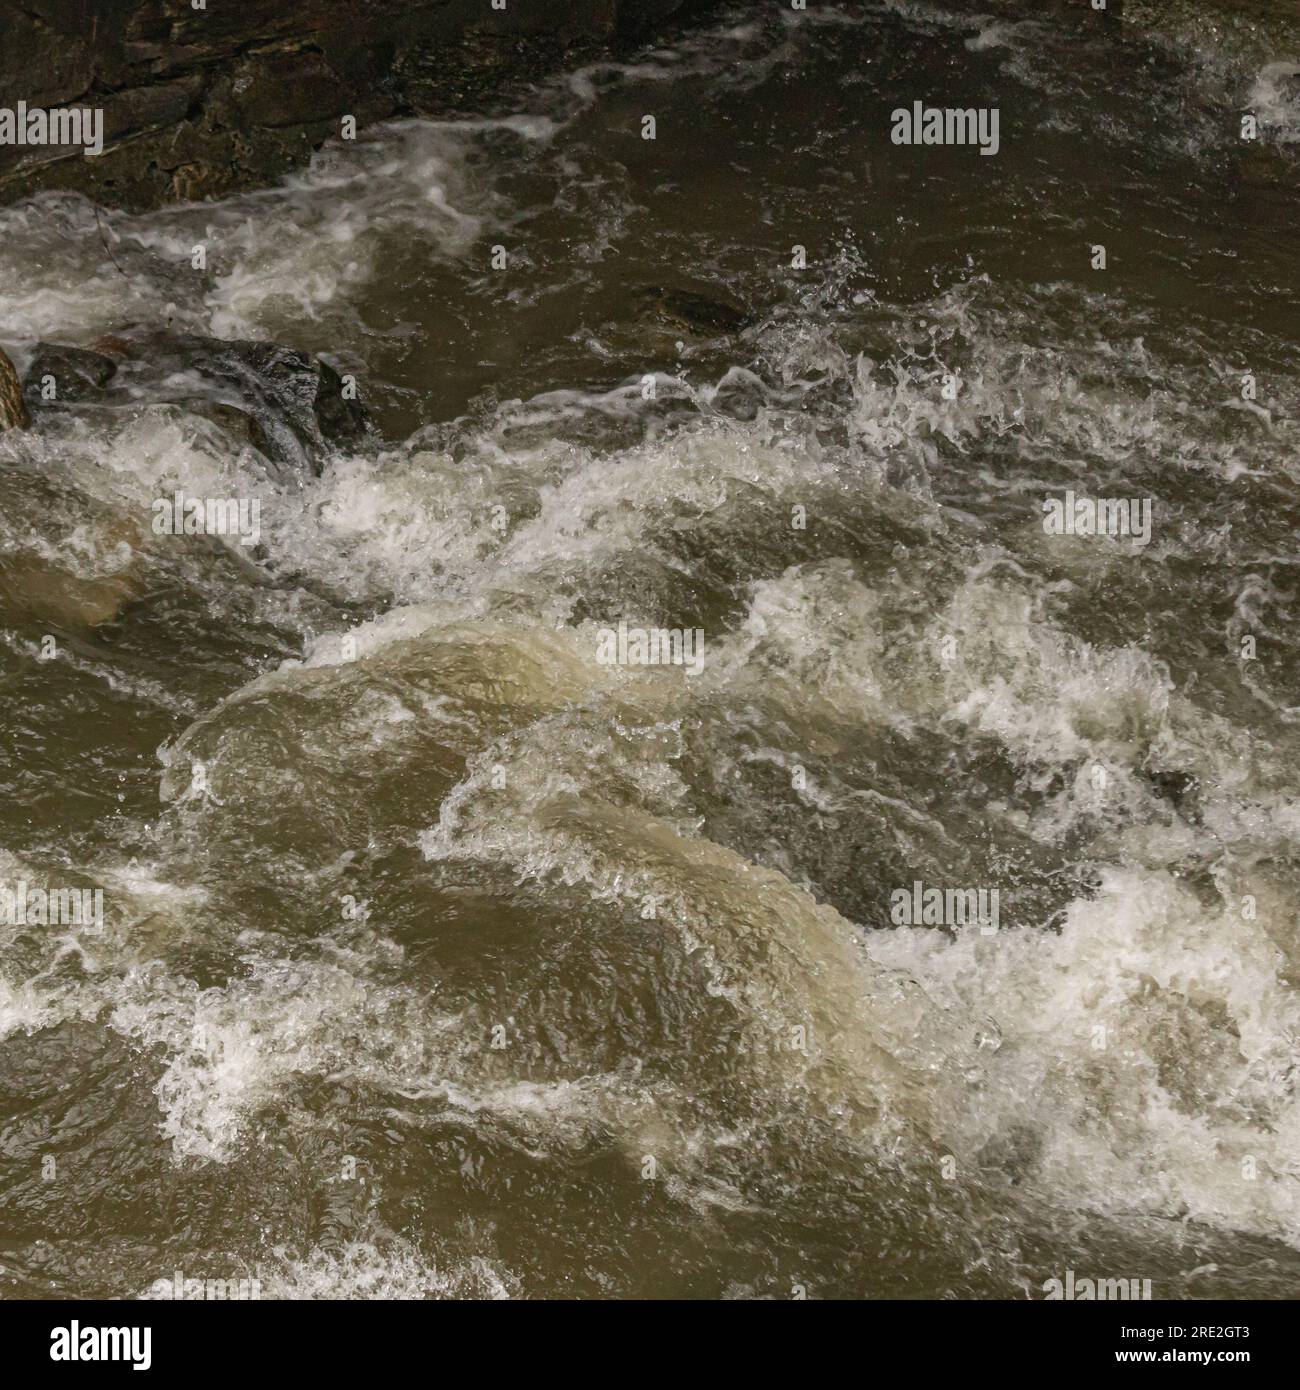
(290, 408)
(200, 102)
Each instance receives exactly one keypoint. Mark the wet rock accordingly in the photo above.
(687, 311)
(297, 89)
(197, 103)
(342, 420)
(1178, 788)
(238, 424)
(112, 345)
(290, 407)
(66, 374)
(13, 410)
(298, 402)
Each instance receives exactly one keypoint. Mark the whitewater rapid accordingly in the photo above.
(526, 936)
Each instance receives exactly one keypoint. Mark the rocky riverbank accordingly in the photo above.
(198, 102)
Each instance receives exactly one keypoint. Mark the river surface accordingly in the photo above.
(441, 958)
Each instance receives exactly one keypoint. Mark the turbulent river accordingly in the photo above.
(442, 957)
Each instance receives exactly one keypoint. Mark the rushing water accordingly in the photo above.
(472, 966)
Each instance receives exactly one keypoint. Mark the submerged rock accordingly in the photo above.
(687, 311)
(1178, 788)
(13, 410)
(66, 561)
(66, 373)
(237, 424)
(35, 588)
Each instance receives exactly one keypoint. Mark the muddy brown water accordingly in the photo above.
(441, 958)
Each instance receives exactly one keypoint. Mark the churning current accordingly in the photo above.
(768, 766)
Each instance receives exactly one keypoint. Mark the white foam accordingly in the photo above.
(1143, 1047)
